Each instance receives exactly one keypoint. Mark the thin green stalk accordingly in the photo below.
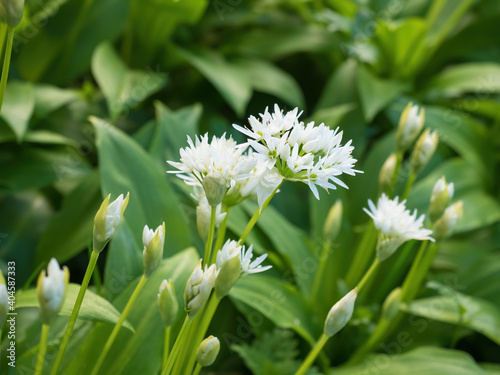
(408, 287)
(210, 239)
(178, 342)
(362, 255)
(220, 237)
(312, 354)
(74, 314)
(42, 350)
(3, 35)
(166, 346)
(321, 270)
(118, 325)
(96, 276)
(6, 64)
(368, 275)
(409, 184)
(197, 369)
(256, 216)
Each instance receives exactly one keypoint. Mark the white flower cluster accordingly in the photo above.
(232, 249)
(306, 153)
(396, 225)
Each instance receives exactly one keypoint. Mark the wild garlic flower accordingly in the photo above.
(340, 314)
(215, 165)
(51, 289)
(153, 242)
(208, 351)
(446, 224)
(410, 125)
(203, 213)
(442, 193)
(306, 153)
(198, 288)
(424, 149)
(395, 224)
(248, 266)
(107, 220)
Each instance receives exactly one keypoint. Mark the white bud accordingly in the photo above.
(107, 220)
(11, 12)
(340, 313)
(411, 123)
(4, 301)
(51, 289)
(198, 288)
(167, 303)
(424, 149)
(333, 221)
(442, 193)
(203, 213)
(228, 263)
(208, 351)
(215, 188)
(386, 173)
(446, 224)
(153, 248)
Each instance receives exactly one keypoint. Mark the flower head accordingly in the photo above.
(248, 266)
(153, 248)
(396, 225)
(107, 220)
(198, 288)
(51, 288)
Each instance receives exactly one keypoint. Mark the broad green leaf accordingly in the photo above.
(423, 360)
(332, 116)
(142, 351)
(278, 301)
(70, 230)
(340, 88)
(234, 86)
(375, 93)
(94, 308)
(48, 98)
(476, 78)
(45, 137)
(124, 167)
(122, 88)
(18, 106)
(480, 315)
(268, 78)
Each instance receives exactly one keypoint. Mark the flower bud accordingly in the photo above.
(198, 288)
(340, 313)
(447, 223)
(386, 173)
(215, 188)
(424, 149)
(229, 264)
(391, 305)
(167, 302)
(4, 301)
(410, 125)
(203, 213)
(333, 221)
(442, 193)
(11, 12)
(208, 351)
(107, 220)
(153, 248)
(51, 289)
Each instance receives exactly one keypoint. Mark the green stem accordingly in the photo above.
(210, 239)
(256, 216)
(312, 354)
(118, 325)
(368, 275)
(220, 237)
(362, 255)
(378, 335)
(96, 276)
(42, 350)
(166, 346)
(409, 184)
(74, 313)
(6, 64)
(178, 342)
(197, 369)
(321, 270)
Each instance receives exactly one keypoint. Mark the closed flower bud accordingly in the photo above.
(340, 313)
(153, 248)
(333, 221)
(386, 173)
(215, 188)
(442, 193)
(51, 289)
(203, 213)
(208, 351)
(167, 302)
(228, 262)
(391, 305)
(11, 12)
(107, 220)
(446, 224)
(198, 288)
(410, 125)
(424, 149)
(4, 301)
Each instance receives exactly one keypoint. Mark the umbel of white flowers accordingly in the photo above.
(395, 224)
(4, 301)
(51, 289)
(340, 313)
(153, 248)
(107, 220)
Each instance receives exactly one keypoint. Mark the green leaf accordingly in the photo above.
(423, 360)
(70, 230)
(375, 93)
(125, 167)
(234, 86)
(48, 98)
(94, 308)
(140, 353)
(278, 301)
(341, 86)
(332, 116)
(122, 88)
(480, 315)
(18, 105)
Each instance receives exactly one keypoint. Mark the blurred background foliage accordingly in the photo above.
(158, 70)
